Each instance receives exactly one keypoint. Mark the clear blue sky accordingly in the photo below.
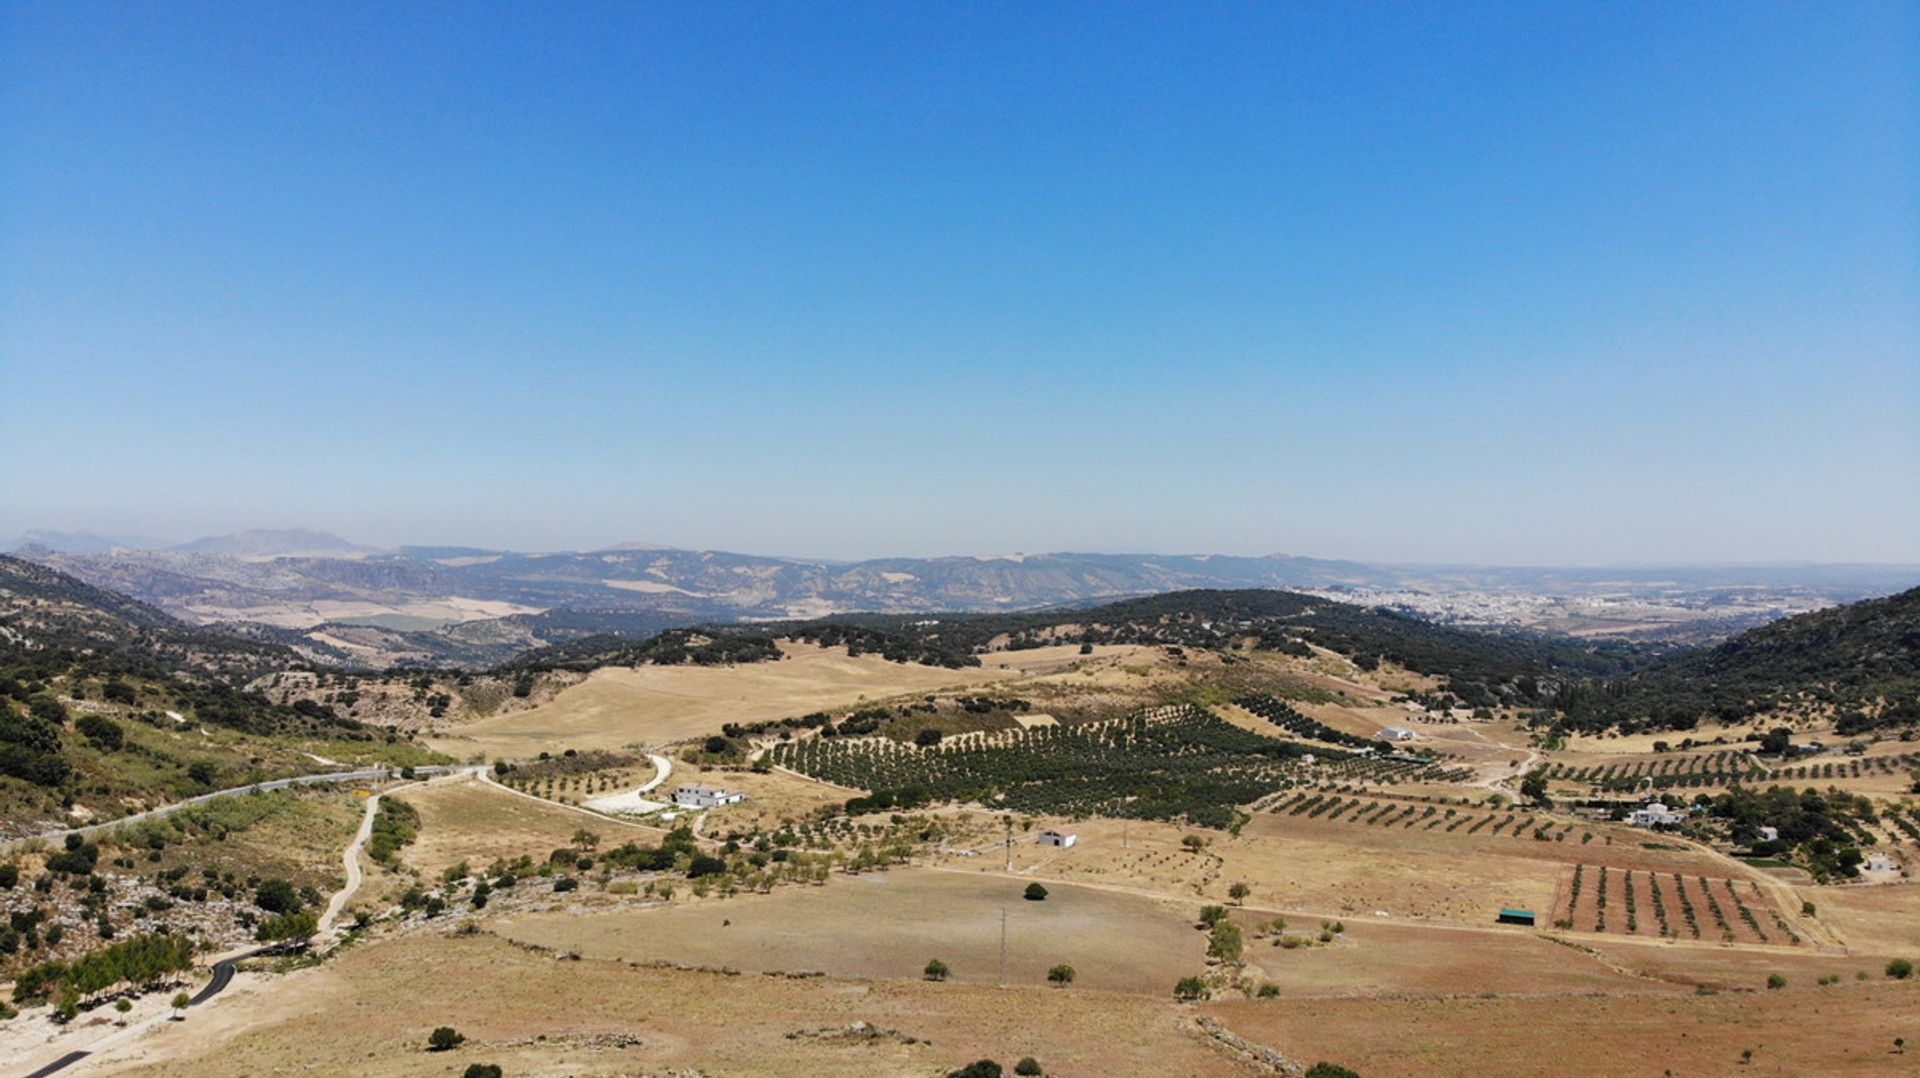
(1497, 283)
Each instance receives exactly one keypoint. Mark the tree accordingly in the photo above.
(481, 1070)
(1036, 893)
(201, 772)
(180, 1002)
(1212, 915)
(443, 1039)
(1900, 969)
(1028, 1066)
(1534, 788)
(1189, 989)
(927, 738)
(980, 1068)
(936, 970)
(103, 732)
(1776, 741)
(1239, 891)
(277, 896)
(1061, 975)
(1774, 980)
(584, 840)
(1225, 942)
(1330, 1070)
(123, 1005)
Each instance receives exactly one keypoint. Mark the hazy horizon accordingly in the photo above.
(1508, 286)
(157, 542)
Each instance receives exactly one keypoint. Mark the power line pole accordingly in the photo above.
(1003, 946)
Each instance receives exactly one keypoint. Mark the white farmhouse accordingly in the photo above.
(1769, 834)
(1397, 733)
(1654, 814)
(1058, 836)
(700, 795)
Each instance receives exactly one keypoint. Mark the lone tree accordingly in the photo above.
(979, 1068)
(1239, 891)
(1028, 1066)
(1036, 893)
(481, 1070)
(1534, 787)
(585, 840)
(444, 1039)
(1061, 975)
(180, 1002)
(936, 970)
(1899, 969)
(1776, 741)
(1189, 989)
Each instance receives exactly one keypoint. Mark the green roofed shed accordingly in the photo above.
(1515, 917)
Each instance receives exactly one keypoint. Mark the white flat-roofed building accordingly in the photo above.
(700, 795)
(1058, 836)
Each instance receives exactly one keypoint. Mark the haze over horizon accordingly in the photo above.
(1544, 287)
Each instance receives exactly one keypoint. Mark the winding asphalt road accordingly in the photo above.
(222, 977)
(376, 774)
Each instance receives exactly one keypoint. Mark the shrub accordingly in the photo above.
(1330, 1070)
(936, 970)
(1028, 1066)
(481, 1070)
(1774, 980)
(443, 1039)
(1268, 991)
(1899, 969)
(1036, 893)
(1061, 974)
(980, 1068)
(1190, 988)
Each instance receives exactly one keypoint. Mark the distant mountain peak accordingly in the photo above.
(273, 543)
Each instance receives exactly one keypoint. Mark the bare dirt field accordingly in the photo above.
(369, 1012)
(654, 705)
(888, 925)
(1838, 1031)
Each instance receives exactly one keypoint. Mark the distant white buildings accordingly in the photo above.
(1879, 862)
(1654, 814)
(700, 795)
(1397, 733)
(1769, 834)
(1058, 836)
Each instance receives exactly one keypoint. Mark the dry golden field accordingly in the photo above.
(655, 705)
(1796, 1033)
(887, 925)
(368, 1013)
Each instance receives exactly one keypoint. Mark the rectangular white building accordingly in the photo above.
(1058, 836)
(1397, 733)
(1654, 815)
(700, 795)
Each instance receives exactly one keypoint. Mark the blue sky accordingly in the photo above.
(1495, 283)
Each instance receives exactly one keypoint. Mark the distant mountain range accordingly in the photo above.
(336, 598)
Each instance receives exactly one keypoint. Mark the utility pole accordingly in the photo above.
(1003, 913)
(1003, 946)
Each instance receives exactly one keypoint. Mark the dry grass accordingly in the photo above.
(369, 1012)
(656, 705)
(1839, 1031)
(887, 925)
(470, 821)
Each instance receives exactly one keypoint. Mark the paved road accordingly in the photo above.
(222, 977)
(376, 774)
